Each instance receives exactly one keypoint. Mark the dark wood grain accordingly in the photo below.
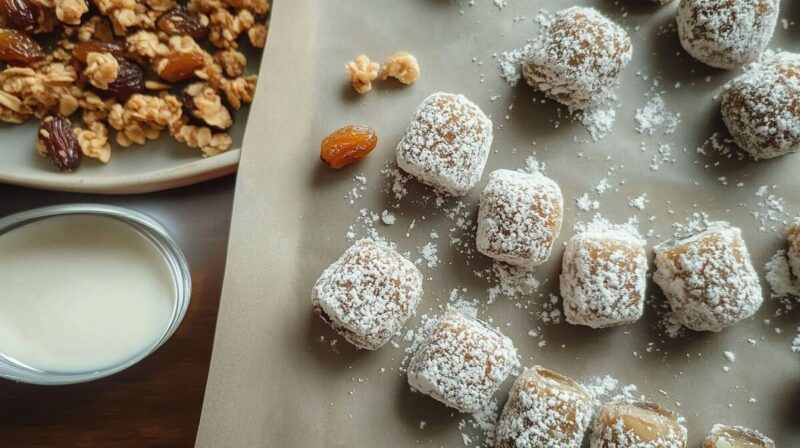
(157, 402)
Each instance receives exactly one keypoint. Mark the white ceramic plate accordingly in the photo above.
(159, 165)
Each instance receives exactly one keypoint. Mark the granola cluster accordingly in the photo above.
(139, 68)
(402, 66)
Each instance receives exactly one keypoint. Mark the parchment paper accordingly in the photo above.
(274, 382)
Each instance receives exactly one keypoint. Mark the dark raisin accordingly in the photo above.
(19, 14)
(130, 80)
(60, 142)
(82, 49)
(180, 20)
(17, 48)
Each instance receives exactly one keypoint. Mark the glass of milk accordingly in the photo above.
(86, 290)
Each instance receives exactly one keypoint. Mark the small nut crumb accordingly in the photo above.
(101, 69)
(362, 72)
(403, 66)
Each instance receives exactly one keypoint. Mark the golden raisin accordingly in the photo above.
(180, 66)
(17, 48)
(347, 145)
(82, 49)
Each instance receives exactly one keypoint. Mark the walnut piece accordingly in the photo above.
(94, 141)
(402, 66)
(101, 69)
(70, 11)
(362, 72)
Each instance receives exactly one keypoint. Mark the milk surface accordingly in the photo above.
(80, 293)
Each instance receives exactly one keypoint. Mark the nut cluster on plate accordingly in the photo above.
(138, 67)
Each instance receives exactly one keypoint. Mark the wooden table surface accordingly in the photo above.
(157, 402)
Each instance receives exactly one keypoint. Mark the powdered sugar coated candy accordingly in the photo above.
(447, 143)
(603, 279)
(761, 107)
(368, 294)
(578, 58)
(462, 362)
(544, 410)
(637, 424)
(708, 278)
(726, 33)
(794, 250)
(724, 436)
(519, 218)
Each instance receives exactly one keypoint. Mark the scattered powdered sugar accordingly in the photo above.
(585, 204)
(510, 64)
(654, 115)
(598, 120)
(796, 342)
(483, 422)
(355, 193)
(639, 202)
(388, 217)
(430, 253)
(771, 214)
(664, 156)
(512, 281)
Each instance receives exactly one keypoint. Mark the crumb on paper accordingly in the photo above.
(362, 72)
(402, 66)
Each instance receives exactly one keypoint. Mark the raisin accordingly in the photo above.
(82, 49)
(180, 66)
(17, 48)
(130, 80)
(180, 20)
(347, 145)
(60, 142)
(19, 14)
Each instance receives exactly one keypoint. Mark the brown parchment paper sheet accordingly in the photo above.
(273, 383)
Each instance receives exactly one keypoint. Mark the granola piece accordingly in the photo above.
(362, 72)
(143, 117)
(205, 6)
(94, 141)
(12, 110)
(232, 61)
(240, 90)
(258, 35)
(402, 66)
(39, 90)
(146, 44)
(225, 28)
(69, 103)
(259, 7)
(202, 138)
(101, 69)
(206, 105)
(70, 11)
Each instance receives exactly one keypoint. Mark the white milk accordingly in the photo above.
(79, 293)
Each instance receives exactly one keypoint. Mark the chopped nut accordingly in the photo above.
(207, 106)
(70, 11)
(232, 61)
(94, 141)
(362, 72)
(403, 66)
(258, 35)
(101, 69)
